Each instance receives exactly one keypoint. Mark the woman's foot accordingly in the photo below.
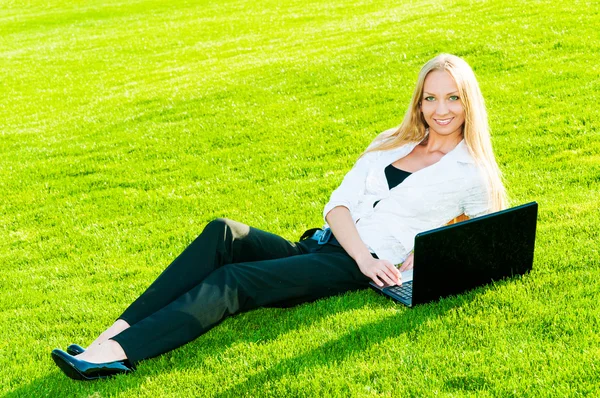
(108, 351)
(83, 370)
(103, 358)
(75, 349)
(116, 328)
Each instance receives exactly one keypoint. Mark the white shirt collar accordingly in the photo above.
(461, 153)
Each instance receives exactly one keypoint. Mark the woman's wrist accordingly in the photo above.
(363, 257)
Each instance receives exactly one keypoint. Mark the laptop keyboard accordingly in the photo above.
(403, 292)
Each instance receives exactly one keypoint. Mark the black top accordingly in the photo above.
(394, 177)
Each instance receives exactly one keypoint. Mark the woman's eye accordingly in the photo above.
(430, 98)
(453, 98)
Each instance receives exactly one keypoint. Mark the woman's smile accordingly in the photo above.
(443, 122)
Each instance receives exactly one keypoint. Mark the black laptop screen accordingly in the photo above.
(462, 256)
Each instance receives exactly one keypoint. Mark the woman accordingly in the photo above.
(436, 166)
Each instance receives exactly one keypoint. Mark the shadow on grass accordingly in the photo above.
(358, 340)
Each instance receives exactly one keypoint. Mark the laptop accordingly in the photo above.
(459, 257)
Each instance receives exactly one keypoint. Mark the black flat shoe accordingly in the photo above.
(82, 370)
(75, 349)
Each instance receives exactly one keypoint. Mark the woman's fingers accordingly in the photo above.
(407, 264)
(388, 273)
(381, 272)
(392, 268)
(382, 276)
(377, 281)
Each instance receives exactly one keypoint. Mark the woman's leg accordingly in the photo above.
(240, 287)
(222, 242)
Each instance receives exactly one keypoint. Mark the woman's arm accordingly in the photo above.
(343, 227)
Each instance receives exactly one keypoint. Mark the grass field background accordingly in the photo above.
(125, 126)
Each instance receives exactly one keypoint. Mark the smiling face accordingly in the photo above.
(441, 105)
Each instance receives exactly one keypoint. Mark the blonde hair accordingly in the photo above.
(476, 131)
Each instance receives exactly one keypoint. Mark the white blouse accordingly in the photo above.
(426, 199)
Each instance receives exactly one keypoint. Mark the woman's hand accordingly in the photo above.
(380, 271)
(343, 227)
(408, 263)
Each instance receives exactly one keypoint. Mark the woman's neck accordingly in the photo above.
(441, 143)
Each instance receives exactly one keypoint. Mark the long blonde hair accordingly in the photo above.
(476, 131)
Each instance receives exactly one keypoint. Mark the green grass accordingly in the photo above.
(126, 126)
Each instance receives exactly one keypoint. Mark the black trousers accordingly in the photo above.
(231, 268)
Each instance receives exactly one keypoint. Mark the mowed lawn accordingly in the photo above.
(125, 126)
